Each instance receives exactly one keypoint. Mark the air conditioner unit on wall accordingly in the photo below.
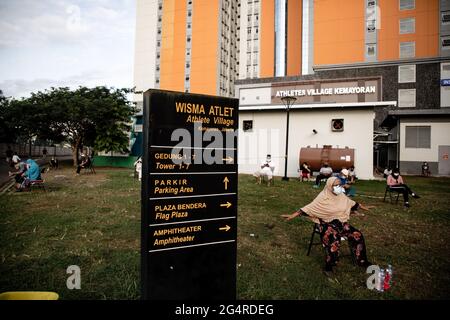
(337, 125)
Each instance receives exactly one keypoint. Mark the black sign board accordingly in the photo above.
(189, 196)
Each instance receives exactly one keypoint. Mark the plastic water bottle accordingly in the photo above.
(381, 280)
(388, 278)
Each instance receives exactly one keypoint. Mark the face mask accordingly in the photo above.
(338, 190)
(396, 175)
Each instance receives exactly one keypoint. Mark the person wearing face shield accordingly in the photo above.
(266, 169)
(426, 169)
(346, 184)
(331, 209)
(397, 184)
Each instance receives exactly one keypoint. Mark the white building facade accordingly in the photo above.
(263, 122)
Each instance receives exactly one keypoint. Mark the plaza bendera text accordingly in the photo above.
(176, 211)
(217, 115)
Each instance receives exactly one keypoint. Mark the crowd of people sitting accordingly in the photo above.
(347, 176)
(26, 172)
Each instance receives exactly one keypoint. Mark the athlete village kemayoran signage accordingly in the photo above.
(329, 91)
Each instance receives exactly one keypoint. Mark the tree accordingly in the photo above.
(5, 132)
(96, 117)
(21, 120)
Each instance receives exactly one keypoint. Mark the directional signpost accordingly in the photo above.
(189, 196)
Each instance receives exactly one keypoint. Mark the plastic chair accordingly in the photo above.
(390, 191)
(37, 183)
(90, 167)
(29, 295)
(316, 230)
(40, 184)
(265, 180)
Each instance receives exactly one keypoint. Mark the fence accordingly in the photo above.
(36, 151)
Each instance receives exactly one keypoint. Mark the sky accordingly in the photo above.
(59, 43)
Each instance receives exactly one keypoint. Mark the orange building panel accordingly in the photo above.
(426, 34)
(205, 47)
(294, 33)
(339, 31)
(267, 40)
(173, 45)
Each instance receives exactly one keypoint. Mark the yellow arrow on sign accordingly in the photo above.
(226, 228)
(228, 159)
(226, 182)
(228, 204)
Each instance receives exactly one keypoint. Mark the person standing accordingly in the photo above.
(138, 168)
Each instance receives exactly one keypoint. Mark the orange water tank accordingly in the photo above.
(337, 158)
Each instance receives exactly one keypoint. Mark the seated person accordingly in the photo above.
(325, 172)
(397, 184)
(54, 164)
(33, 171)
(21, 168)
(332, 209)
(352, 174)
(267, 169)
(85, 163)
(425, 169)
(345, 182)
(305, 171)
(27, 172)
(387, 172)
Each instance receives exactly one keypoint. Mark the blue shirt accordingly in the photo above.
(343, 180)
(33, 172)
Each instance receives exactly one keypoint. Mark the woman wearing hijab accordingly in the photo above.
(397, 184)
(331, 210)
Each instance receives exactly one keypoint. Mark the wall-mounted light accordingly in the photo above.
(314, 131)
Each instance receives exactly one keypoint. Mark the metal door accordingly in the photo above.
(444, 162)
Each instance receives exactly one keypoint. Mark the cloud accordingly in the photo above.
(65, 43)
(111, 78)
(61, 22)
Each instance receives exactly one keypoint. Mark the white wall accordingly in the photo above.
(440, 135)
(145, 46)
(269, 136)
(255, 96)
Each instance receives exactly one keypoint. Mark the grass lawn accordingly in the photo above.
(93, 221)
